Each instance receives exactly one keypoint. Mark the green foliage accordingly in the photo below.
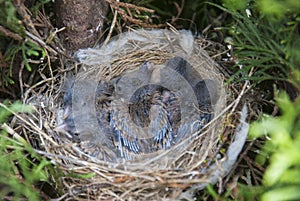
(20, 166)
(270, 47)
(240, 192)
(181, 14)
(26, 49)
(30, 49)
(282, 177)
(278, 9)
(38, 5)
(268, 42)
(281, 180)
(236, 5)
(15, 107)
(9, 19)
(211, 191)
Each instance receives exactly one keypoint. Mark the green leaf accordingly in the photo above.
(31, 52)
(235, 5)
(6, 111)
(282, 193)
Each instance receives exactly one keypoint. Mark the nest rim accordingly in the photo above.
(125, 174)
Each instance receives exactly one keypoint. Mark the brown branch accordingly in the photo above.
(26, 16)
(120, 6)
(10, 34)
(179, 11)
(138, 21)
(116, 5)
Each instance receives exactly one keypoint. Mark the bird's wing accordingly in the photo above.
(128, 137)
(160, 126)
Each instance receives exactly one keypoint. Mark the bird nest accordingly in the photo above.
(119, 158)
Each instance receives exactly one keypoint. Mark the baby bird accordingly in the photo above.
(200, 114)
(160, 125)
(136, 116)
(142, 125)
(95, 142)
(65, 119)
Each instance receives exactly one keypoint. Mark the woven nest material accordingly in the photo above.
(166, 174)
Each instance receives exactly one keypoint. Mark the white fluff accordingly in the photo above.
(155, 37)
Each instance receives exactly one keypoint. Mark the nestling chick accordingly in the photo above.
(136, 114)
(65, 118)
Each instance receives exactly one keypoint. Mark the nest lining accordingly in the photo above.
(163, 175)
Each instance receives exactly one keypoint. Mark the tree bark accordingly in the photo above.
(83, 20)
